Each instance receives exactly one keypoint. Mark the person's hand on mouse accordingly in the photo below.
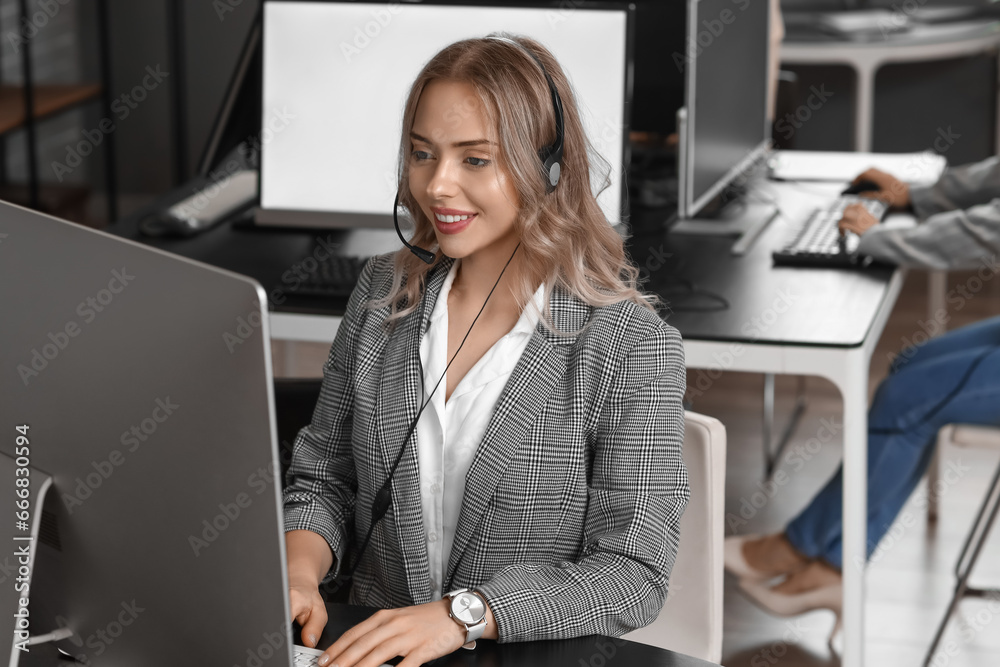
(856, 219)
(891, 190)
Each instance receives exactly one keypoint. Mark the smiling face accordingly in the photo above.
(454, 175)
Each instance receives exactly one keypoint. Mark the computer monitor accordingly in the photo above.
(339, 72)
(658, 87)
(723, 127)
(145, 380)
(239, 119)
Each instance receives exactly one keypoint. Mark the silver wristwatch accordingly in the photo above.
(468, 609)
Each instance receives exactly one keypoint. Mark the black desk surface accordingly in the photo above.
(767, 304)
(592, 651)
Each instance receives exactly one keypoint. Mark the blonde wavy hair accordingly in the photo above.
(566, 240)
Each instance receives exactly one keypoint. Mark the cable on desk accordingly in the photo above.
(810, 188)
(690, 290)
(761, 196)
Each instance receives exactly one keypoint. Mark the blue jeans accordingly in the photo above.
(903, 422)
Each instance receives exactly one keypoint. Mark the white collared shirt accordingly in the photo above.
(449, 433)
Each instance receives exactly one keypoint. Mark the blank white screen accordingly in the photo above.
(344, 98)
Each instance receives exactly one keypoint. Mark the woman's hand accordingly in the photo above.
(891, 190)
(308, 610)
(309, 558)
(856, 219)
(420, 634)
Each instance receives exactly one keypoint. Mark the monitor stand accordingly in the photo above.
(741, 218)
(25, 532)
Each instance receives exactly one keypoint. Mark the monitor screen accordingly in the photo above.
(336, 76)
(726, 54)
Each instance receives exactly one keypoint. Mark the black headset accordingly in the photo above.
(551, 157)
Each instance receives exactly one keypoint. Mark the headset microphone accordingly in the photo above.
(423, 254)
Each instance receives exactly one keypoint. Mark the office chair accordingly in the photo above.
(985, 437)
(294, 402)
(691, 619)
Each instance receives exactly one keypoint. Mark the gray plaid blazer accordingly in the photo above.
(572, 506)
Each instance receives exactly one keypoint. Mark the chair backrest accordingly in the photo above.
(691, 620)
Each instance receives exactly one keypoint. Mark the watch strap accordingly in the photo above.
(472, 632)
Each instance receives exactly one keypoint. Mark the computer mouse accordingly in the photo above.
(861, 186)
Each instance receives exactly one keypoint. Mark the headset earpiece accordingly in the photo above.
(551, 155)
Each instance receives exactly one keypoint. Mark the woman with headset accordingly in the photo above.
(537, 493)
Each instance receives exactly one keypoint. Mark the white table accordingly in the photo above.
(922, 43)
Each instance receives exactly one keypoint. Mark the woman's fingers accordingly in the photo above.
(891, 190)
(309, 611)
(419, 634)
(870, 174)
(881, 195)
(313, 627)
(384, 652)
(856, 219)
(357, 641)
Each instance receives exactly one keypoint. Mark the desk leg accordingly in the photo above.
(937, 311)
(865, 106)
(768, 424)
(772, 454)
(854, 389)
(997, 132)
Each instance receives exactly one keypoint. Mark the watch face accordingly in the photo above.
(468, 608)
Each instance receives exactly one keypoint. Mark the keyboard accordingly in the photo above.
(818, 242)
(335, 276)
(305, 656)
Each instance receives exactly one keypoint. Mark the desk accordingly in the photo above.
(781, 320)
(592, 651)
